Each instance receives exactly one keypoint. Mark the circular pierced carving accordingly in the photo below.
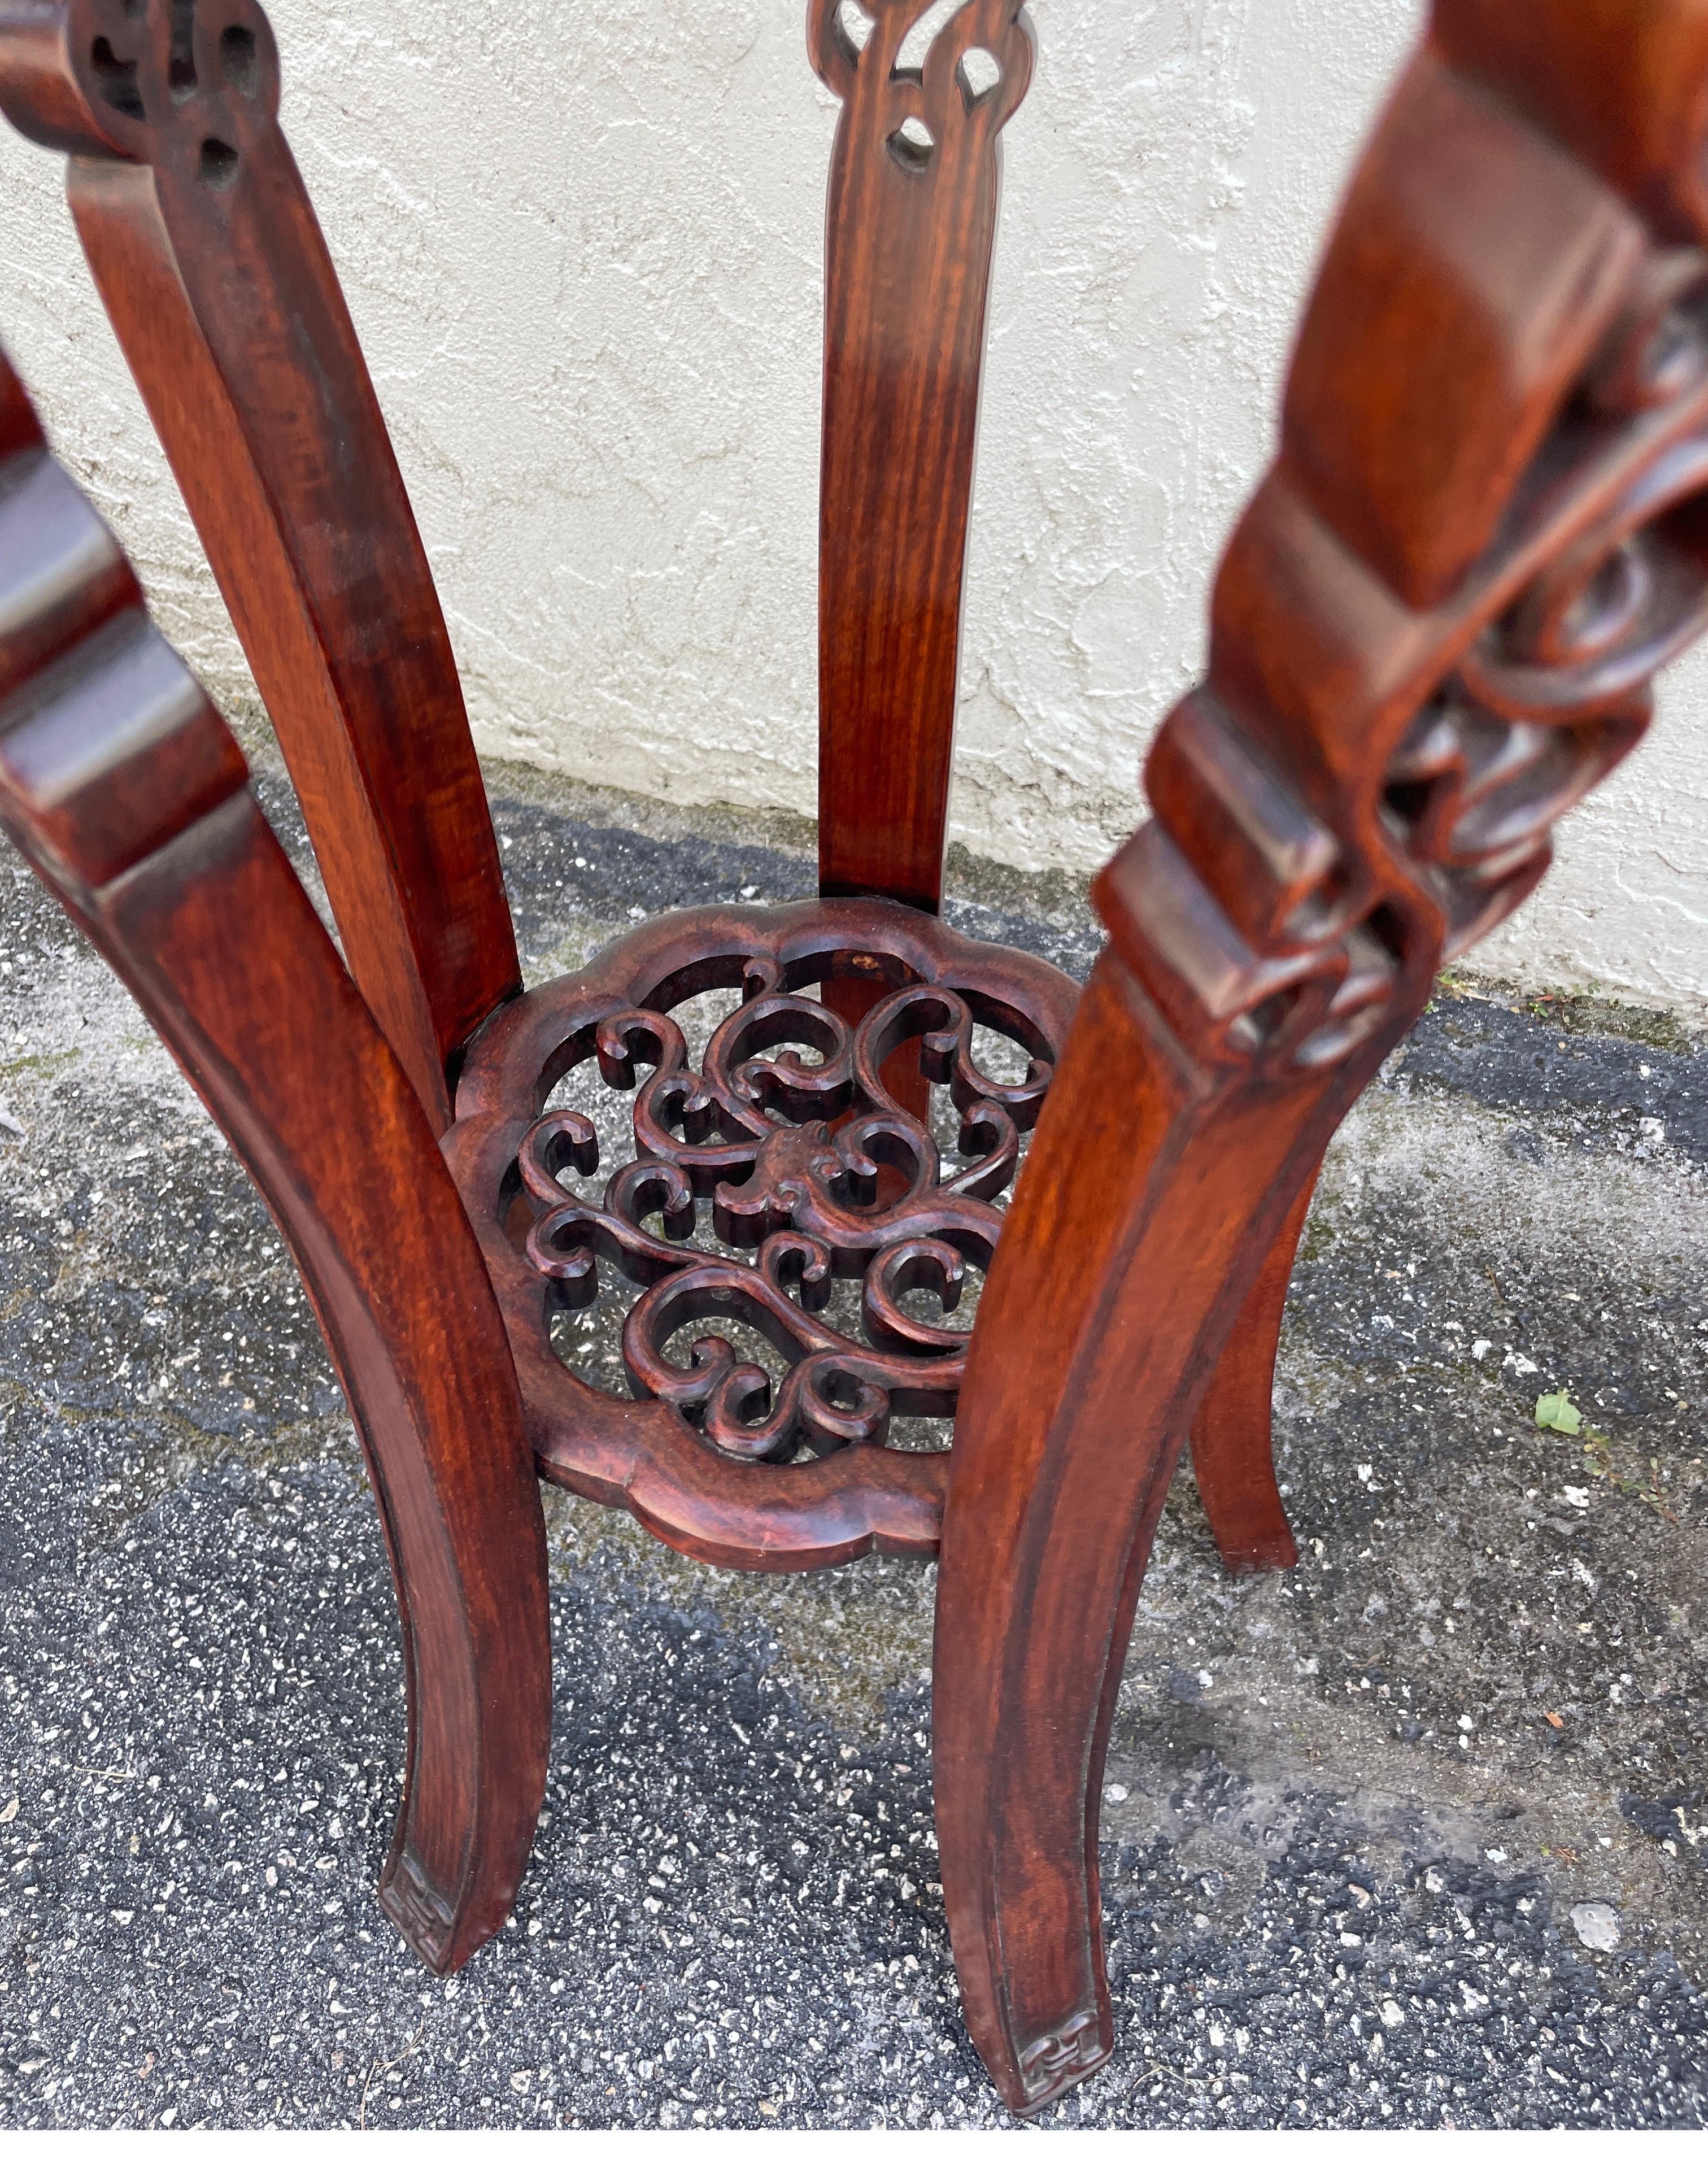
(785, 1207)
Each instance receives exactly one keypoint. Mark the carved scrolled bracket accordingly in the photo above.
(1306, 873)
(192, 85)
(914, 92)
(1231, 1004)
(1604, 580)
(1435, 628)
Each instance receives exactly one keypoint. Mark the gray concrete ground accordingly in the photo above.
(1417, 1836)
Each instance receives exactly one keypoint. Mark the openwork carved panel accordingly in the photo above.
(922, 75)
(192, 85)
(1555, 687)
(1307, 875)
(778, 1210)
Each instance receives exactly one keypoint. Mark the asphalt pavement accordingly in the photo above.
(1416, 1836)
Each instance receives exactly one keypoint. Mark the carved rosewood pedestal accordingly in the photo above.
(1434, 629)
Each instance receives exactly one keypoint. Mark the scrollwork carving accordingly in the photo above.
(791, 1153)
(1554, 689)
(831, 1211)
(921, 85)
(1291, 904)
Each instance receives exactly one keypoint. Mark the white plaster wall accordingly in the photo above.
(582, 246)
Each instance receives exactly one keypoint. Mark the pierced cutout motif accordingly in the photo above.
(801, 1248)
(979, 74)
(238, 63)
(813, 1166)
(218, 163)
(912, 144)
(915, 74)
(180, 67)
(190, 83)
(1546, 657)
(854, 25)
(115, 80)
(921, 34)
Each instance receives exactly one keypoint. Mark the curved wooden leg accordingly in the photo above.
(1153, 1190)
(343, 1156)
(226, 305)
(1358, 790)
(126, 791)
(1231, 1456)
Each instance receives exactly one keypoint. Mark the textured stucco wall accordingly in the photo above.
(582, 246)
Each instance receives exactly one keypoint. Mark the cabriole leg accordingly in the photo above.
(1154, 1191)
(349, 1169)
(125, 789)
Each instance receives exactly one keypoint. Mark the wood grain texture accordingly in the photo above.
(702, 1457)
(909, 228)
(215, 275)
(1433, 631)
(1232, 1458)
(124, 788)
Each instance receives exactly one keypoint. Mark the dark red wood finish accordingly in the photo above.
(124, 788)
(180, 173)
(911, 223)
(1433, 631)
(789, 1190)
(1230, 1430)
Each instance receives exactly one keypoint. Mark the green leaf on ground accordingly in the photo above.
(1555, 1412)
